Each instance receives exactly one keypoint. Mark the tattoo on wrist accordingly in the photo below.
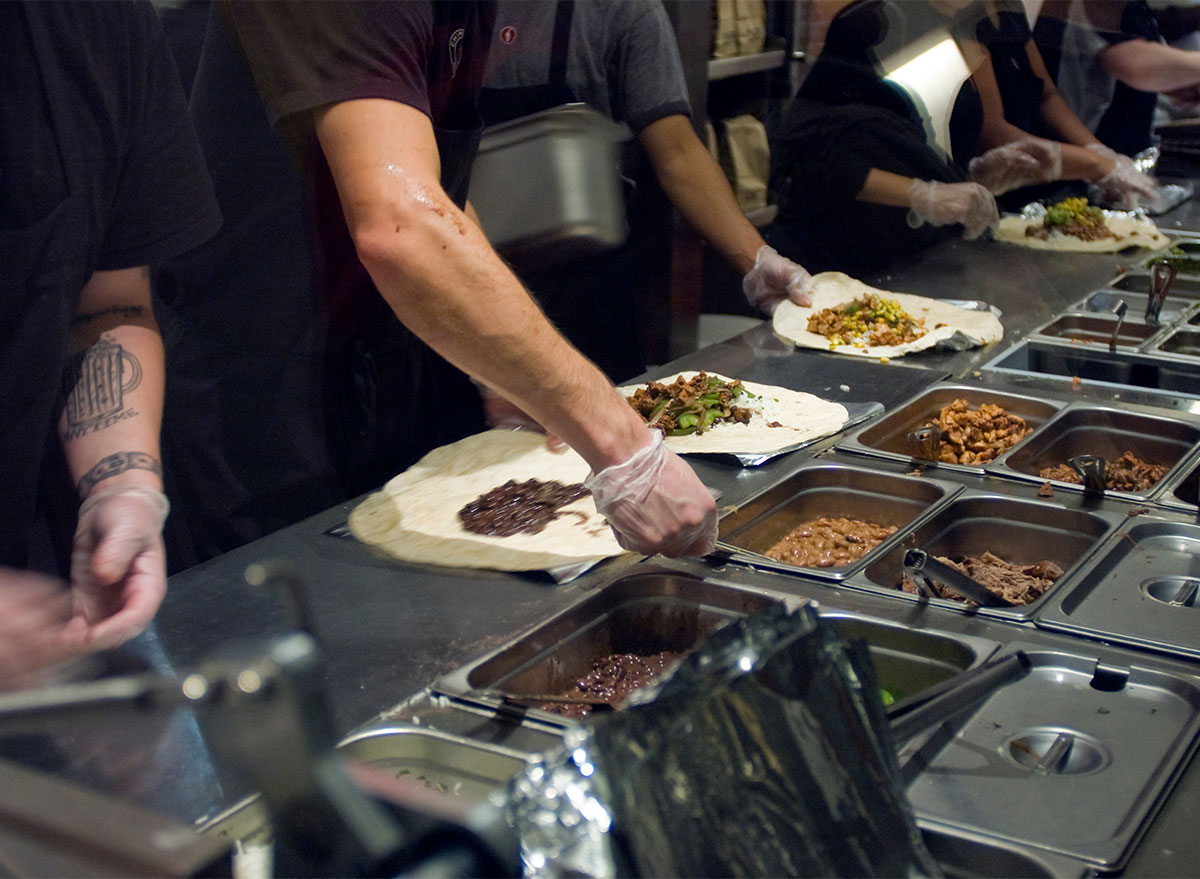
(95, 383)
(116, 464)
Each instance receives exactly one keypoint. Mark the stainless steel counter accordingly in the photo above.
(389, 629)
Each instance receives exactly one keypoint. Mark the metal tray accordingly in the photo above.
(644, 612)
(1081, 429)
(1182, 343)
(1115, 371)
(1131, 730)
(1018, 531)
(1126, 595)
(1173, 307)
(1139, 282)
(452, 765)
(1087, 329)
(835, 490)
(887, 437)
(1182, 490)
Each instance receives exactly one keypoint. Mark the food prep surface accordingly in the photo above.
(439, 671)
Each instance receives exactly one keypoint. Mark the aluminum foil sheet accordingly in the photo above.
(766, 753)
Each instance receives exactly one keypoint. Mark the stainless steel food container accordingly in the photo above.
(1134, 293)
(1140, 589)
(1019, 531)
(1112, 370)
(887, 436)
(547, 187)
(1094, 330)
(644, 612)
(1082, 429)
(1182, 489)
(834, 490)
(1138, 281)
(1073, 758)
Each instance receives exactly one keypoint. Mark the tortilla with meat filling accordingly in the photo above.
(943, 323)
(415, 516)
(1128, 230)
(778, 418)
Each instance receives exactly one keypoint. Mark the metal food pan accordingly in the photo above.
(964, 855)
(447, 764)
(1182, 343)
(1139, 282)
(1104, 431)
(888, 436)
(1140, 590)
(643, 613)
(1182, 490)
(1019, 531)
(1073, 758)
(1087, 329)
(833, 490)
(1173, 307)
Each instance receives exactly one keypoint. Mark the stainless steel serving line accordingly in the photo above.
(415, 654)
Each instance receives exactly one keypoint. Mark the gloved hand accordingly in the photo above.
(500, 414)
(118, 563)
(1125, 187)
(940, 204)
(1013, 165)
(654, 502)
(775, 278)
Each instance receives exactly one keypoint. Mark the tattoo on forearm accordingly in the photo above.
(127, 311)
(115, 464)
(95, 383)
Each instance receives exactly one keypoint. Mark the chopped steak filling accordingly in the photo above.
(611, 679)
(1126, 473)
(691, 406)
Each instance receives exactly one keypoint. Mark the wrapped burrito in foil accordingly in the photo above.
(766, 753)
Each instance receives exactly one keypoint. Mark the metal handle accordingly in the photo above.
(1091, 470)
(924, 442)
(1118, 308)
(1162, 275)
(918, 566)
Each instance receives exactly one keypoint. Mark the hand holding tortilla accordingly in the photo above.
(850, 317)
(416, 517)
(1074, 225)
(703, 412)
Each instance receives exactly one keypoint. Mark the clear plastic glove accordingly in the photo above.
(500, 414)
(775, 278)
(1022, 163)
(656, 503)
(940, 204)
(118, 563)
(1125, 187)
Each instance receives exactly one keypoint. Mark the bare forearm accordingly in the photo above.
(697, 187)
(886, 188)
(1151, 67)
(437, 271)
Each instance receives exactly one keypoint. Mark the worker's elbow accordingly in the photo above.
(378, 241)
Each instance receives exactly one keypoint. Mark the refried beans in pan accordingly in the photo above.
(1126, 473)
(829, 542)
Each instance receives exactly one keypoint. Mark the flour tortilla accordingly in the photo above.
(415, 516)
(956, 327)
(1130, 231)
(801, 418)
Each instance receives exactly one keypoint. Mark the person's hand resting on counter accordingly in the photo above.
(1021, 163)
(1125, 187)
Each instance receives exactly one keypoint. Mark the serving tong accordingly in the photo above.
(924, 442)
(922, 569)
(948, 698)
(1091, 470)
(1162, 276)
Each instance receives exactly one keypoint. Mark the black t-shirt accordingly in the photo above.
(101, 171)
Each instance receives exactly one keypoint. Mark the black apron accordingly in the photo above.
(592, 301)
(45, 266)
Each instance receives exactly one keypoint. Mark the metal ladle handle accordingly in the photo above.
(1162, 275)
(1118, 307)
(924, 442)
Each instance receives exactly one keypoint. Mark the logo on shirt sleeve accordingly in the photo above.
(456, 39)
